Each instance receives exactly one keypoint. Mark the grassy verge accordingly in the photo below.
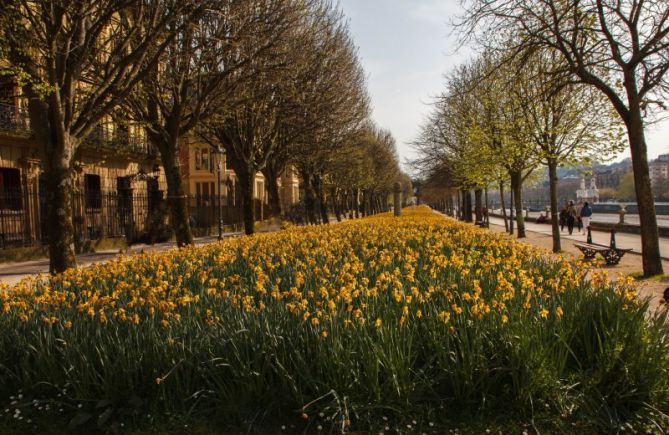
(418, 324)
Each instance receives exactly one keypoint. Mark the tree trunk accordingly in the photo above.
(356, 205)
(309, 199)
(468, 205)
(650, 246)
(59, 150)
(176, 197)
(363, 203)
(460, 215)
(246, 180)
(517, 186)
(273, 197)
(59, 212)
(478, 205)
(555, 224)
(501, 197)
(336, 203)
(486, 217)
(322, 201)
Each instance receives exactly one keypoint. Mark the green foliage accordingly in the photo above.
(625, 190)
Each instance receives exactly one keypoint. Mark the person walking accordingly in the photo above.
(586, 217)
(563, 217)
(571, 217)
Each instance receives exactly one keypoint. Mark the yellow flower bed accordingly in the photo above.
(321, 274)
(378, 313)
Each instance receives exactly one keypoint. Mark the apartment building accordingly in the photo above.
(118, 180)
(119, 183)
(203, 167)
(659, 169)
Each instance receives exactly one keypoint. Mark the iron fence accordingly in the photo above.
(24, 217)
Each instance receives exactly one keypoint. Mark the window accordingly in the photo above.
(259, 190)
(92, 191)
(205, 159)
(198, 159)
(10, 189)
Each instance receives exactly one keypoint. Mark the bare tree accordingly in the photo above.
(77, 61)
(292, 114)
(198, 76)
(619, 47)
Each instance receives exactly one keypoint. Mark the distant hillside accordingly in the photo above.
(576, 171)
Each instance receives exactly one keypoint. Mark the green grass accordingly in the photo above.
(639, 276)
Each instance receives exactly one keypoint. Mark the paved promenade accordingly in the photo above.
(609, 218)
(11, 273)
(623, 240)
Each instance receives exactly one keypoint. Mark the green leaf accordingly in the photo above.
(104, 417)
(79, 419)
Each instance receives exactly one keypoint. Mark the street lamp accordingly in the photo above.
(219, 152)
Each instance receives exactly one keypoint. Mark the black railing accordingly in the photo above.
(14, 119)
(106, 136)
(127, 214)
(110, 137)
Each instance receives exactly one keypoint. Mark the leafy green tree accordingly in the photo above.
(625, 190)
(567, 122)
(618, 47)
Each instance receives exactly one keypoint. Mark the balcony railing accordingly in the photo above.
(110, 138)
(14, 119)
(107, 137)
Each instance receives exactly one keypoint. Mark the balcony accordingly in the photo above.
(110, 138)
(14, 119)
(107, 137)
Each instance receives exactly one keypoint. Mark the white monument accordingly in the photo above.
(590, 195)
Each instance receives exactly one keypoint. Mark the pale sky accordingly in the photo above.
(406, 49)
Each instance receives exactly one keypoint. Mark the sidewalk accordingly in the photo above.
(11, 273)
(623, 240)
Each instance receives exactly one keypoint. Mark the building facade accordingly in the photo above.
(203, 167)
(119, 186)
(117, 180)
(659, 170)
(609, 177)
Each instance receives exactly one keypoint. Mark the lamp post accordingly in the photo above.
(219, 151)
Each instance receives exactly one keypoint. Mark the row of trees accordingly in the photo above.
(557, 82)
(274, 83)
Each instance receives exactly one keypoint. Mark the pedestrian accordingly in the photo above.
(577, 211)
(563, 217)
(586, 217)
(571, 217)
